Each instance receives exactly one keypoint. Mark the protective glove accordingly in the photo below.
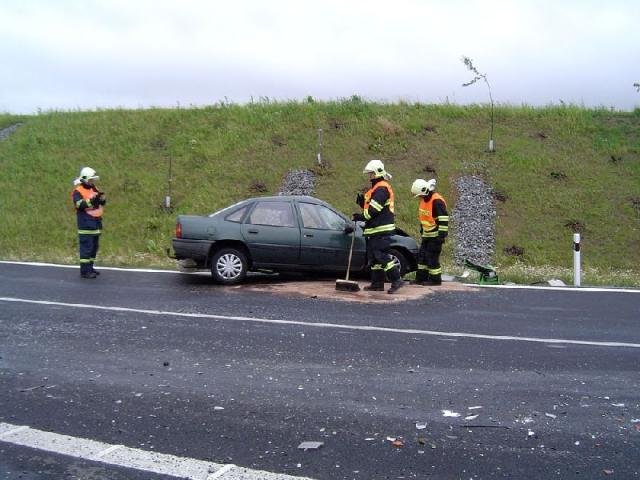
(98, 199)
(441, 239)
(360, 200)
(357, 217)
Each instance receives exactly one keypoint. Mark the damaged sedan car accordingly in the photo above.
(278, 234)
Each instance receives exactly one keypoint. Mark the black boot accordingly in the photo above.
(421, 276)
(433, 280)
(85, 271)
(93, 269)
(396, 281)
(377, 281)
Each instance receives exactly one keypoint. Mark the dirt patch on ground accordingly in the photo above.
(326, 289)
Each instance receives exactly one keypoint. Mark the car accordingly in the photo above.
(292, 233)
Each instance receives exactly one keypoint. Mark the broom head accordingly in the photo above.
(347, 286)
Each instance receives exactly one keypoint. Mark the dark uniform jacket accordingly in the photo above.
(378, 209)
(89, 216)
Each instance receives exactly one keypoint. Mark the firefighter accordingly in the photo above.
(378, 214)
(434, 227)
(89, 203)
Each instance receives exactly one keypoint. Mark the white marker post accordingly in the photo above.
(576, 259)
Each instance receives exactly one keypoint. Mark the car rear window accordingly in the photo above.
(277, 214)
(237, 215)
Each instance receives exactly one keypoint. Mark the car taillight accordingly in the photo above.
(178, 230)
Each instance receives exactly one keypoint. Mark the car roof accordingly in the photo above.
(299, 198)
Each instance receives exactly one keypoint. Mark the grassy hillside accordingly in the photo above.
(555, 169)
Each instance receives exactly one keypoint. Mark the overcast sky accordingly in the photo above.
(87, 54)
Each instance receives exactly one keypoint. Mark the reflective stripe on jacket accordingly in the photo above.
(378, 209)
(433, 216)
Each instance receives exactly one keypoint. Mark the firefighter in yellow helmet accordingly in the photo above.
(378, 214)
(89, 203)
(434, 227)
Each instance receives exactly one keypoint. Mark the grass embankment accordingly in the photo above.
(555, 170)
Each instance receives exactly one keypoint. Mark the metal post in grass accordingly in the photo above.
(576, 259)
(167, 198)
(320, 146)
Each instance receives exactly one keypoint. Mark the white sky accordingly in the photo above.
(87, 54)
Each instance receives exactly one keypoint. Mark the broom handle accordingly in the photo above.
(353, 238)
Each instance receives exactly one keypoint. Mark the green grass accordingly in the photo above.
(554, 165)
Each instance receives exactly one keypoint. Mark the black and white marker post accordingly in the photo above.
(576, 259)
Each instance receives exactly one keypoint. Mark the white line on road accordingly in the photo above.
(161, 463)
(367, 328)
(56, 265)
(151, 270)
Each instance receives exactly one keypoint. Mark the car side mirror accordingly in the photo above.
(348, 229)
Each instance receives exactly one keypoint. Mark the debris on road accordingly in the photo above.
(450, 413)
(421, 425)
(31, 389)
(310, 445)
(397, 443)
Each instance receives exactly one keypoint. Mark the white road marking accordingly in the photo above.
(56, 265)
(568, 288)
(563, 289)
(107, 451)
(161, 463)
(366, 328)
(219, 473)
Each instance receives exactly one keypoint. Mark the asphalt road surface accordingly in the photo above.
(143, 369)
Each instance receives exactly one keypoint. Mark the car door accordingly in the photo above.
(272, 234)
(324, 242)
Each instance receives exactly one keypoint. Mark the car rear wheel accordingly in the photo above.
(400, 260)
(229, 266)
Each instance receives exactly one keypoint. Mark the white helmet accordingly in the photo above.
(88, 173)
(377, 168)
(423, 187)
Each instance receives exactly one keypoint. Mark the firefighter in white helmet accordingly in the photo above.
(434, 227)
(89, 203)
(378, 208)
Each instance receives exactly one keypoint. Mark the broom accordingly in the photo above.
(347, 285)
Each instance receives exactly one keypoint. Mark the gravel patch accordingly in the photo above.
(298, 182)
(5, 132)
(473, 221)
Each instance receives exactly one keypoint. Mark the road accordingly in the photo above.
(476, 383)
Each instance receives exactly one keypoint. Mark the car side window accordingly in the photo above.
(237, 215)
(320, 217)
(277, 214)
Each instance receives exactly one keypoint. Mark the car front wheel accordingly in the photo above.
(229, 266)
